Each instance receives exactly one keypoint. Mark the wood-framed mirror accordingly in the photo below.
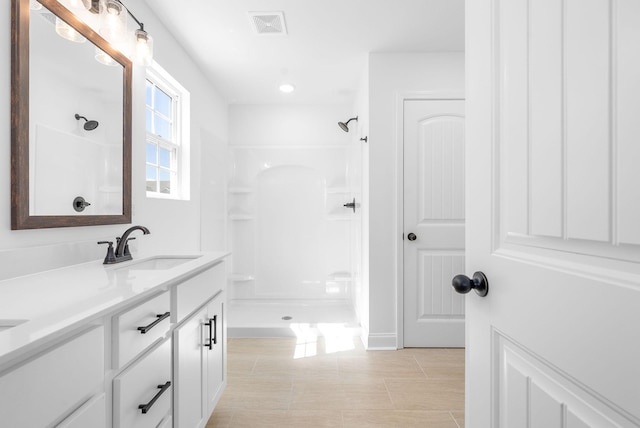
(70, 122)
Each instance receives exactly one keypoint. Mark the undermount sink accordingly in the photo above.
(7, 324)
(158, 263)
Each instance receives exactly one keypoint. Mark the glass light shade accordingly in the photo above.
(113, 21)
(103, 58)
(65, 31)
(34, 5)
(143, 50)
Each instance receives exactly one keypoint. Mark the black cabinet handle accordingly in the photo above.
(213, 332)
(146, 328)
(146, 407)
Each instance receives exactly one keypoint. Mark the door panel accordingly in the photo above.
(434, 212)
(549, 107)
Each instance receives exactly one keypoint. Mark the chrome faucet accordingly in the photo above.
(122, 253)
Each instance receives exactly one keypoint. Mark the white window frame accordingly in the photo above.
(180, 132)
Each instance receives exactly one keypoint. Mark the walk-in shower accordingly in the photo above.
(291, 240)
(294, 268)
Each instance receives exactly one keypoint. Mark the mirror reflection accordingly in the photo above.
(75, 122)
(70, 119)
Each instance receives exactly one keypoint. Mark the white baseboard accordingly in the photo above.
(381, 342)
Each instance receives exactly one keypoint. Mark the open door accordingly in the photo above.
(553, 213)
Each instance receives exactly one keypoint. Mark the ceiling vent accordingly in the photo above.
(268, 22)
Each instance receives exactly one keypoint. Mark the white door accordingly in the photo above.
(553, 213)
(433, 222)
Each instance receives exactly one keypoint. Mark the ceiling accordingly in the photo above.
(324, 53)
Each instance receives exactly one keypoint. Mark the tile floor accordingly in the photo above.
(327, 382)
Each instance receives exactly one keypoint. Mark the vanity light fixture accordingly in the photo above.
(113, 26)
(143, 43)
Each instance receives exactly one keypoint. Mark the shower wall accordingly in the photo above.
(291, 173)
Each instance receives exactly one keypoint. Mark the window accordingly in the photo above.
(167, 136)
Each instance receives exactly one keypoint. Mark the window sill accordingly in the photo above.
(154, 195)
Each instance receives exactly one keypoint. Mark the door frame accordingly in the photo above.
(401, 97)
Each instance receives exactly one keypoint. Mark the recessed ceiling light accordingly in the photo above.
(287, 88)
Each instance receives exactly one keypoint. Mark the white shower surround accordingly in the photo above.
(291, 237)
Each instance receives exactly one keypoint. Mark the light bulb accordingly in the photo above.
(143, 52)
(65, 31)
(113, 21)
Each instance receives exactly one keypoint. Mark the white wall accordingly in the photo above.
(174, 225)
(390, 75)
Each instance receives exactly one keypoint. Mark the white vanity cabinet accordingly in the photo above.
(56, 384)
(142, 348)
(199, 348)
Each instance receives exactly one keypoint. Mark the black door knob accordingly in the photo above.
(463, 284)
(412, 237)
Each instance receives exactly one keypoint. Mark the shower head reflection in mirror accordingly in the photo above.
(89, 125)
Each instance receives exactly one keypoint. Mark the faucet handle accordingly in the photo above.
(110, 258)
(126, 247)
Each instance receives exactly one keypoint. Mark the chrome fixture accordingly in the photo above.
(89, 125)
(121, 253)
(345, 125)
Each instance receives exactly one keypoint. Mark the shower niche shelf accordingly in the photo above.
(241, 277)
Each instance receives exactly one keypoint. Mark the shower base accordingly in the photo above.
(291, 318)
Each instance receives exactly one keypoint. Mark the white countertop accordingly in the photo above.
(57, 301)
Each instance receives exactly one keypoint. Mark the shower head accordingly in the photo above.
(89, 125)
(345, 125)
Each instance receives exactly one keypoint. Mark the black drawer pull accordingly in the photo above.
(146, 407)
(213, 332)
(146, 328)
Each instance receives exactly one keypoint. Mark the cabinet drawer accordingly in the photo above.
(91, 414)
(140, 385)
(193, 292)
(129, 339)
(48, 388)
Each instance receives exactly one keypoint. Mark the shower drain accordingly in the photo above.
(287, 318)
